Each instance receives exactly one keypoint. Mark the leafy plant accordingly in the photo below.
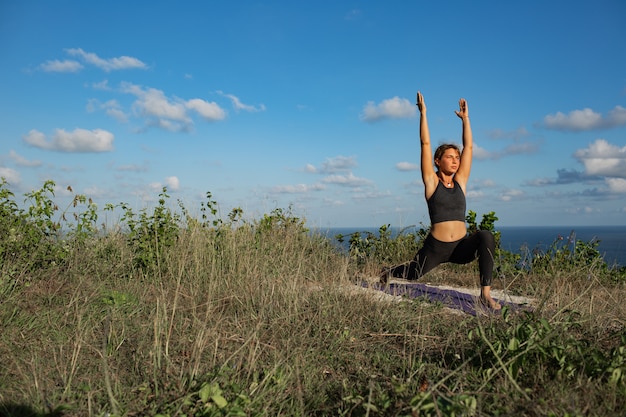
(150, 233)
(487, 223)
(571, 254)
(533, 344)
(280, 220)
(32, 234)
(85, 223)
(383, 248)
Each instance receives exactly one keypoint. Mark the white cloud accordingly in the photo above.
(392, 108)
(78, 140)
(161, 112)
(152, 102)
(539, 182)
(102, 85)
(603, 158)
(63, 191)
(95, 192)
(517, 148)
(111, 64)
(473, 194)
(208, 111)
(111, 108)
(116, 113)
(10, 175)
(333, 165)
(406, 166)
(92, 104)
(154, 186)
(579, 210)
(170, 114)
(511, 194)
(585, 119)
(19, 160)
(616, 185)
(297, 189)
(238, 105)
(349, 180)
(35, 138)
(61, 66)
(481, 153)
(172, 183)
(371, 195)
(338, 164)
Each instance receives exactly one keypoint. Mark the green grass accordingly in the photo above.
(170, 315)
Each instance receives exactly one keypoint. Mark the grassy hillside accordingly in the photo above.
(169, 314)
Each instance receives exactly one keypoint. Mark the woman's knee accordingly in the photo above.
(486, 239)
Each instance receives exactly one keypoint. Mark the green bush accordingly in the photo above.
(150, 232)
(32, 236)
(383, 248)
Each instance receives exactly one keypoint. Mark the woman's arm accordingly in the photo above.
(463, 173)
(429, 177)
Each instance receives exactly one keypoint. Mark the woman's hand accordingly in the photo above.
(421, 105)
(463, 112)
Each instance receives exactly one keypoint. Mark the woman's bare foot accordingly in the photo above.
(490, 302)
(487, 300)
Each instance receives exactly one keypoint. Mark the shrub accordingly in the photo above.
(33, 236)
(150, 233)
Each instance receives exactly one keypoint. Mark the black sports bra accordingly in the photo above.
(446, 204)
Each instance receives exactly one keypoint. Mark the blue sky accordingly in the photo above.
(311, 105)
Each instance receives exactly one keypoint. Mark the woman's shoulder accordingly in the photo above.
(460, 184)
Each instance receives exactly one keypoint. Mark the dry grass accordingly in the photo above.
(263, 316)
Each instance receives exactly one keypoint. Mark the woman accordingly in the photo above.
(445, 191)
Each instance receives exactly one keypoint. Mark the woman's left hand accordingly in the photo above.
(463, 112)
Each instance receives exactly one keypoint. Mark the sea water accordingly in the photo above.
(519, 239)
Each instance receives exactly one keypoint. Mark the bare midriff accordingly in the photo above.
(449, 231)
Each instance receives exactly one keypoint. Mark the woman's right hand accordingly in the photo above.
(421, 105)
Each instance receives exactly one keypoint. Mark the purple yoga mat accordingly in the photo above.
(450, 298)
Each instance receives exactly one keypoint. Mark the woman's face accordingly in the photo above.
(449, 162)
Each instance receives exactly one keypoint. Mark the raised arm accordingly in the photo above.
(429, 176)
(463, 173)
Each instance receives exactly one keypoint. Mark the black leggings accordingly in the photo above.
(480, 244)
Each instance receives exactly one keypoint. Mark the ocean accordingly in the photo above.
(517, 239)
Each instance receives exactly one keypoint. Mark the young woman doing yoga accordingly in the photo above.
(445, 191)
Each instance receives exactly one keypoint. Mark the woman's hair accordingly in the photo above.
(443, 148)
